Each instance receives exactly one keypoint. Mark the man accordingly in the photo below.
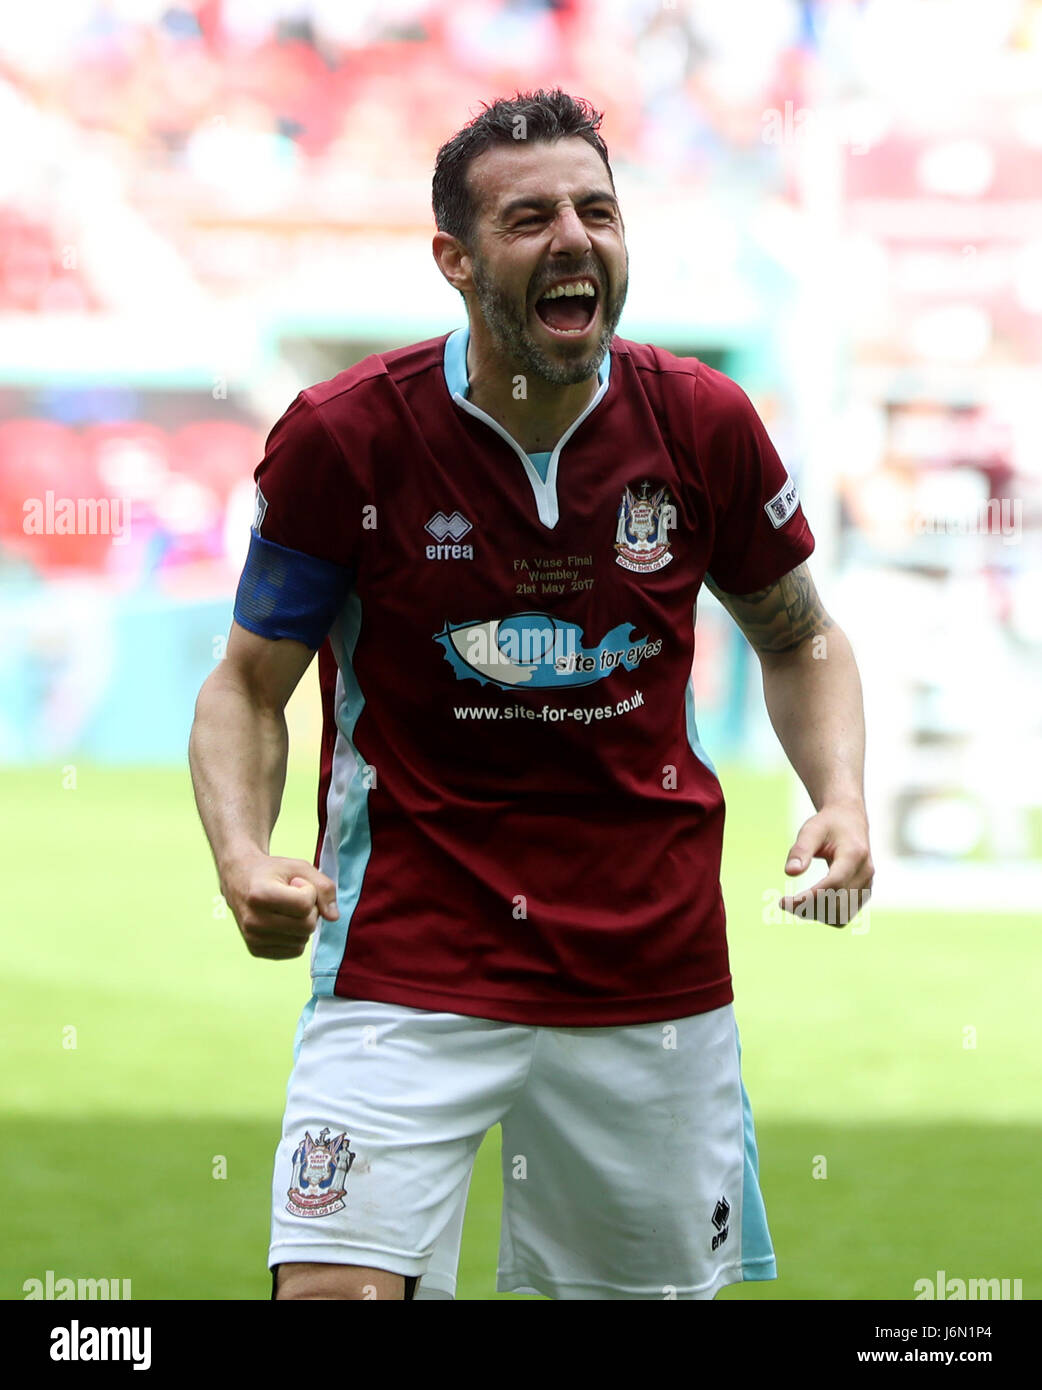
(497, 539)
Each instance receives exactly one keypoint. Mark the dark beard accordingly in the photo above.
(512, 337)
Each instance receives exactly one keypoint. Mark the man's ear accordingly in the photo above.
(453, 260)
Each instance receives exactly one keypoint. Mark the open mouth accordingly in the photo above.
(568, 310)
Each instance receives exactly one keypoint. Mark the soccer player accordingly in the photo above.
(495, 540)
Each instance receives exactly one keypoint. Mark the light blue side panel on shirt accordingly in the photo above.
(692, 732)
(352, 842)
(307, 1013)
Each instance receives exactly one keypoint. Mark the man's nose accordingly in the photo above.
(569, 232)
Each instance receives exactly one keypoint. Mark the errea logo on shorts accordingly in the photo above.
(721, 1212)
(445, 528)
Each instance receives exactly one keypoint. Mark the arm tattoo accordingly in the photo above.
(781, 617)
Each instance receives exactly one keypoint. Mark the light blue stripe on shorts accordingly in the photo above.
(757, 1252)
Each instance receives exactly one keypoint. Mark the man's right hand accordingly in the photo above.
(277, 903)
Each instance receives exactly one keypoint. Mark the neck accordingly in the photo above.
(544, 411)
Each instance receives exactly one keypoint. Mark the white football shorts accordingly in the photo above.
(629, 1157)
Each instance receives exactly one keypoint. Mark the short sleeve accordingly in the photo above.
(760, 532)
(306, 523)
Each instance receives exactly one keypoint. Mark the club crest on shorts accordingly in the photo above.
(320, 1167)
(642, 532)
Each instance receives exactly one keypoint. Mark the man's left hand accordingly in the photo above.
(839, 835)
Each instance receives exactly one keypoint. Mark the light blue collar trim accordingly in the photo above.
(455, 363)
(544, 484)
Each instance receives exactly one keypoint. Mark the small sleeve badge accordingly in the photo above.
(783, 503)
(260, 506)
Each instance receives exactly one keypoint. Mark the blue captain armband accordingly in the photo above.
(285, 593)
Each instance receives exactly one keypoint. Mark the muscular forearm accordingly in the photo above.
(813, 697)
(237, 754)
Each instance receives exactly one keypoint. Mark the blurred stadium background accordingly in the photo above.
(206, 206)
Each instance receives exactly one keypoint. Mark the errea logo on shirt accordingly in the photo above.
(444, 528)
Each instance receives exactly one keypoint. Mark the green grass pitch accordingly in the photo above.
(854, 1051)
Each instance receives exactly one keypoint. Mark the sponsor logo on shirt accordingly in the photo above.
(449, 528)
(642, 530)
(783, 503)
(260, 507)
(539, 651)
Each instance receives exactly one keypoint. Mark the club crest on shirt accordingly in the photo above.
(642, 532)
(320, 1168)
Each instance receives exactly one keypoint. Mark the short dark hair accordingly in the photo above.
(538, 115)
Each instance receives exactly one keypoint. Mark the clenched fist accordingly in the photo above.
(277, 903)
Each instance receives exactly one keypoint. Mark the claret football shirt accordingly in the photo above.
(514, 802)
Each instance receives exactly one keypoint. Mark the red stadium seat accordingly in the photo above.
(219, 453)
(166, 476)
(33, 277)
(47, 483)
